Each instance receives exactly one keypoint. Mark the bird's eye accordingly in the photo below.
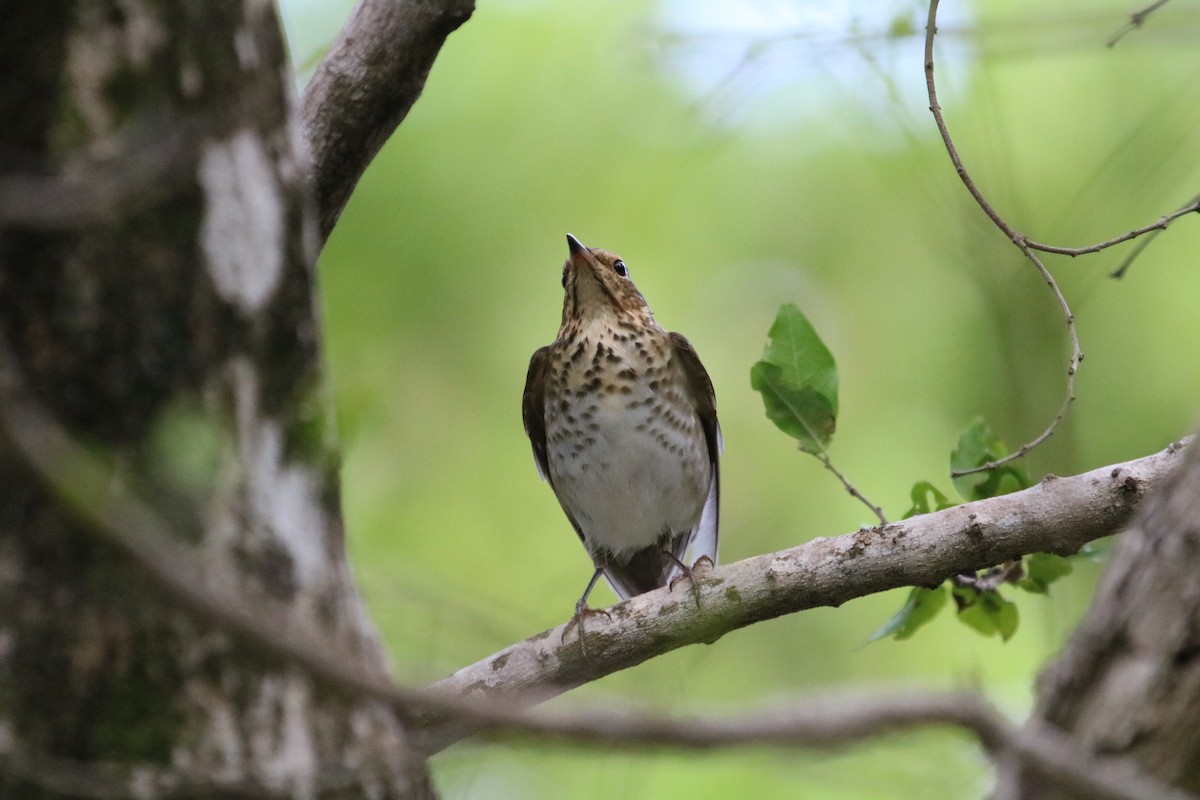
(620, 268)
(564, 279)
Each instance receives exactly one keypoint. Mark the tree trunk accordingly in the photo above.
(157, 242)
(1127, 684)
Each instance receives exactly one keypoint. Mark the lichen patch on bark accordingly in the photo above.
(242, 232)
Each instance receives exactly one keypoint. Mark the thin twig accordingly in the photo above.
(1136, 20)
(1022, 244)
(992, 578)
(1119, 272)
(823, 457)
(1159, 225)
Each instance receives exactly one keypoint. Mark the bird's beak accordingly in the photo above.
(576, 246)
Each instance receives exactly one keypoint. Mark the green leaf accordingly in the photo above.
(921, 607)
(801, 413)
(988, 613)
(797, 378)
(920, 494)
(1043, 569)
(978, 445)
(1005, 613)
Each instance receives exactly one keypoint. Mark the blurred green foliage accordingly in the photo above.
(824, 185)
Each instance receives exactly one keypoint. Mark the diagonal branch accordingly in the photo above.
(1136, 20)
(364, 87)
(1059, 515)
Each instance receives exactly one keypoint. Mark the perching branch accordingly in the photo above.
(1059, 515)
(364, 87)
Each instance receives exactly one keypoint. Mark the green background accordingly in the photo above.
(734, 174)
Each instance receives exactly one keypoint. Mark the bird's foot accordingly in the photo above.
(581, 613)
(703, 566)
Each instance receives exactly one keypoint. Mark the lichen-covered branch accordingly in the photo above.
(365, 85)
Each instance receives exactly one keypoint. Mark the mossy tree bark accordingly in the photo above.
(157, 243)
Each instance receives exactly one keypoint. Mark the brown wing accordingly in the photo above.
(533, 408)
(703, 540)
(701, 390)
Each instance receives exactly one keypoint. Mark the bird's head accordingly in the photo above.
(596, 283)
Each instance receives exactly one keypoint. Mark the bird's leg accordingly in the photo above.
(582, 610)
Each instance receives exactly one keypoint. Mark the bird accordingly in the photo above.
(622, 418)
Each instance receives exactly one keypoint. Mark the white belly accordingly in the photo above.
(622, 474)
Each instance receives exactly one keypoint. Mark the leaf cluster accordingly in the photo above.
(797, 378)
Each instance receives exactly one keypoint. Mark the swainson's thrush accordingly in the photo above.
(623, 421)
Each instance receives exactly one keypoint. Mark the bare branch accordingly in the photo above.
(1119, 272)
(1058, 515)
(823, 722)
(823, 457)
(1159, 225)
(1136, 20)
(1127, 683)
(364, 87)
(813, 722)
(1018, 239)
(1023, 242)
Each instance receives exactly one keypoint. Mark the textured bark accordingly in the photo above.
(166, 319)
(1127, 684)
(1059, 515)
(365, 86)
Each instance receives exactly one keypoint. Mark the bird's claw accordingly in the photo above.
(703, 565)
(581, 612)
